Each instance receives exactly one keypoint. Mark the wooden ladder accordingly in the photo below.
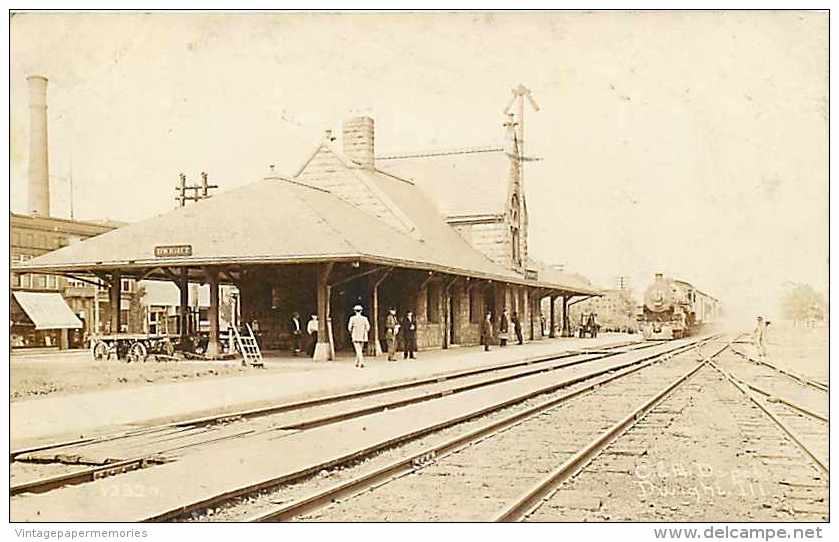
(248, 347)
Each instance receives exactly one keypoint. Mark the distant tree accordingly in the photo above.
(802, 303)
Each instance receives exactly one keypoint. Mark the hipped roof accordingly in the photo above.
(279, 220)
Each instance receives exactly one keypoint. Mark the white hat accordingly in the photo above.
(357, 308)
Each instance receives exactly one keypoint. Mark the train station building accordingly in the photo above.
(441, 234)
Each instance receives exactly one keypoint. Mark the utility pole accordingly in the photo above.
(199, 191)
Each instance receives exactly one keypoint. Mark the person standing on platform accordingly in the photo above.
(517, 327)
(391, 330)
(359, 328)
(486, 331)
(504, 329)
(256, 334)
(409, 336)
(312, 330)
(760, 337)
(295, 328)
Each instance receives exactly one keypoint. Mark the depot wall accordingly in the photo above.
(444, 315)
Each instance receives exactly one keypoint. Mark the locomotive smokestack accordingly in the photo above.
(39, 175)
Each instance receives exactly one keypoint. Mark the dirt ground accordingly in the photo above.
(39, 376)
(799, 349)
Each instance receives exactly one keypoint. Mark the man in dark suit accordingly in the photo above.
(295, 328)
(408, 330)
(517, 327)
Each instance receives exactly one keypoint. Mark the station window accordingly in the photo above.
(474, 308)
(15, 280)
(432, 303)
(26, 281)
(39, 281)
(52, 282)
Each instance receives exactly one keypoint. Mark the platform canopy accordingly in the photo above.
(47, 310)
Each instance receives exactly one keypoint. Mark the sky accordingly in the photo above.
(689, 143)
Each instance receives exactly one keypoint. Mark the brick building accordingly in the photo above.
(346, 229)
(35, 235)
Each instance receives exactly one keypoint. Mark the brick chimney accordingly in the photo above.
(39, 175)
(359, 136)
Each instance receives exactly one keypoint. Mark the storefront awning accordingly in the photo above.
(47, 310)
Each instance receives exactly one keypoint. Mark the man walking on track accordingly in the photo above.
(359, 328)
(391, 330)
(760, 337)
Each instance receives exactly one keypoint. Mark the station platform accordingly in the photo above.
(285, 379)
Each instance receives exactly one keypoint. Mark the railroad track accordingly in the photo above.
(771, 470)
(134, 449)
(801, 379)
(799, 461)
(485, 401)
(491, 441)
(328, 399)
(796, 404)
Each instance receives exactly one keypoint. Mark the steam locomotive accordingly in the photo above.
(673, 309)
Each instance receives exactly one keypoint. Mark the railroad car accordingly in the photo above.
(674, 308)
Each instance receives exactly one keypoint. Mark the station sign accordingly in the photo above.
(169, 251)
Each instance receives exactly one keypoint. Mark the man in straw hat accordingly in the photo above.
(359, 328)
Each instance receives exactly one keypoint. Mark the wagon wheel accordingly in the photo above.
(137, 352)
(100, 350)
(167, 348)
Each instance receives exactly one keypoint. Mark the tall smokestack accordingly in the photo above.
(39, 174)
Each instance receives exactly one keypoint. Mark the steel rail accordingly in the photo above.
(801, 379)
(784, 427)
(358, 454)
(88, 475)
(773, 398)
(532, 499)
(418, 460)
(47, 484)
(334, 398)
